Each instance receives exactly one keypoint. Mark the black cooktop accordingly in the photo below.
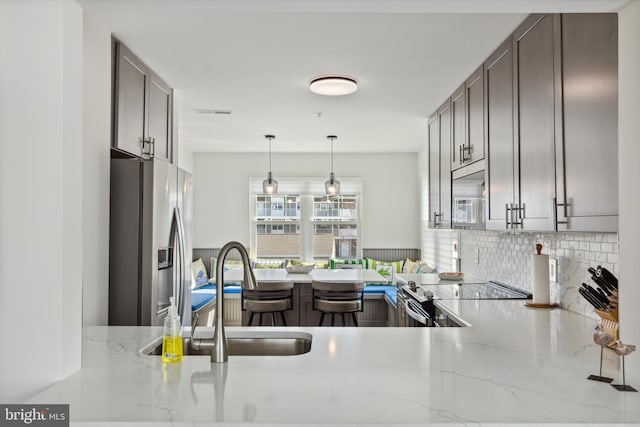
(488, 290)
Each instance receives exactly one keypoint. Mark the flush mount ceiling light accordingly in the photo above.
(332, 185)
(269, 185)
(333, 85)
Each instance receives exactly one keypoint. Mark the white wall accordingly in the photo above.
(184, 158)
(95, 209)
(391, 197)
(629, 175)
(40, 193)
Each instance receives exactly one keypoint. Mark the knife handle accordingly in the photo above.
(608, 276)
(602, 294)
(595, 295)
(605, 291)
(589, 298)
(601, 282)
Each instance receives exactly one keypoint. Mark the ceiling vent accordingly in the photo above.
(210, 111)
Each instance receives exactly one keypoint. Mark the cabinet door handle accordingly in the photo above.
(146, 147)
(153, 147)
(506, 215)
(517, 215)
(555, 205)
(461, 156)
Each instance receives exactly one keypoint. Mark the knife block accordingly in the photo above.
(609, 323)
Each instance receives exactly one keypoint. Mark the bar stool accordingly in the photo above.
(338, 298)
(268, 297)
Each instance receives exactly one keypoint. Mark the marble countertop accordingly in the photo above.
(513, 365)
(433, 279)
(327, 275)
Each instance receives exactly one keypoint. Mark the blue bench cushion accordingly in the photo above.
(199, 300)
(391, 294)
(205, 294)
(389, 291)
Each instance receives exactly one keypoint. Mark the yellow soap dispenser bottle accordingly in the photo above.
(172, 339)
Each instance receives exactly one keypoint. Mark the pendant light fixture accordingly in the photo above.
(269, 185)
(332, 185)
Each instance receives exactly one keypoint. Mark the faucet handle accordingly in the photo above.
(194, 323)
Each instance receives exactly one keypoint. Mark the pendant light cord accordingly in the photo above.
(331, 138)
(332, 155)
(270, 139)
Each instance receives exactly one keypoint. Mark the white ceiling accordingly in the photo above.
(256, 58)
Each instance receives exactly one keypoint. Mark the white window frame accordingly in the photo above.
(332, 222)
(307, 188)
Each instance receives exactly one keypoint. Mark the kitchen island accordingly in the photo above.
(513, 365)
(302, 314)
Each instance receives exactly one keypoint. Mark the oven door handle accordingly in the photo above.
(416, 312)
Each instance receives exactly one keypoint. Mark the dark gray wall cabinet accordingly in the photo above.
(458, 133)
(499, 172)
(534, 55)
(467, 121)
(587, 160)
(440, 137)
(143, 108)
(474, 118)
(548, 102)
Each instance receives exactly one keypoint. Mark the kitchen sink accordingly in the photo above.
(247, 343)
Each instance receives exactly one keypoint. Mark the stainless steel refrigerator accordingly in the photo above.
(149, 241)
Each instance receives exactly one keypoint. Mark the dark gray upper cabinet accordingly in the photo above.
(498, 129)
(560, 173)
(434, 170)
(588, 157)
(143, 108)
(534, 65)
(458, 122)
(439, 133)
(474, 127)
(467, 121)
(130, 101)
(160, 114)
(542, 111)
(445, 136)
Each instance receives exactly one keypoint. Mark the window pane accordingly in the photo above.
(338, 208)
(333, 226)
(278, 240)
(335, 240)
(280, 207)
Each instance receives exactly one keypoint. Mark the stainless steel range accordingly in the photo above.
(416, 304)
(487, 290)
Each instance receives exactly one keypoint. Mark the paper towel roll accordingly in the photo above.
(540, 273)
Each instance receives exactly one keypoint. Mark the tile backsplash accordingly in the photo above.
(506, 256)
